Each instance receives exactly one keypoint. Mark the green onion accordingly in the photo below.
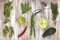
(32, 29)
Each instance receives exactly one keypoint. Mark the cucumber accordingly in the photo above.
(49, 32)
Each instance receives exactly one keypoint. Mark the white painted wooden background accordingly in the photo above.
(16, 12)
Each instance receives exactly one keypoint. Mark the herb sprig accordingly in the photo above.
(25, 7)
(7, 9)
(8, 30)
(11, 31)
(54, 8)
(5, 31)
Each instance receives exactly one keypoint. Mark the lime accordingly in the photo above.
(21, 20)
(42, 22)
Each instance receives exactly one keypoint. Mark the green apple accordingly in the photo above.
(42, 22)
(21, 20)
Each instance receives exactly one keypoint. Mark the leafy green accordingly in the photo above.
(6, 20)
(7, 9)
(32, 29)
(54, 8)
(11, 31)
(5, 31)
(25, 7)
(49, 32)
(8, 30)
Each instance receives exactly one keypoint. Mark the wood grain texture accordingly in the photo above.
(16, 12)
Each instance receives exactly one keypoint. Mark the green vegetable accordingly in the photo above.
(5, 31)
(49, 32)
(6, 20)
(21, 20)
(25, 7)
(54, 8)
(32, 29)
(7, 9)
(11, 31)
